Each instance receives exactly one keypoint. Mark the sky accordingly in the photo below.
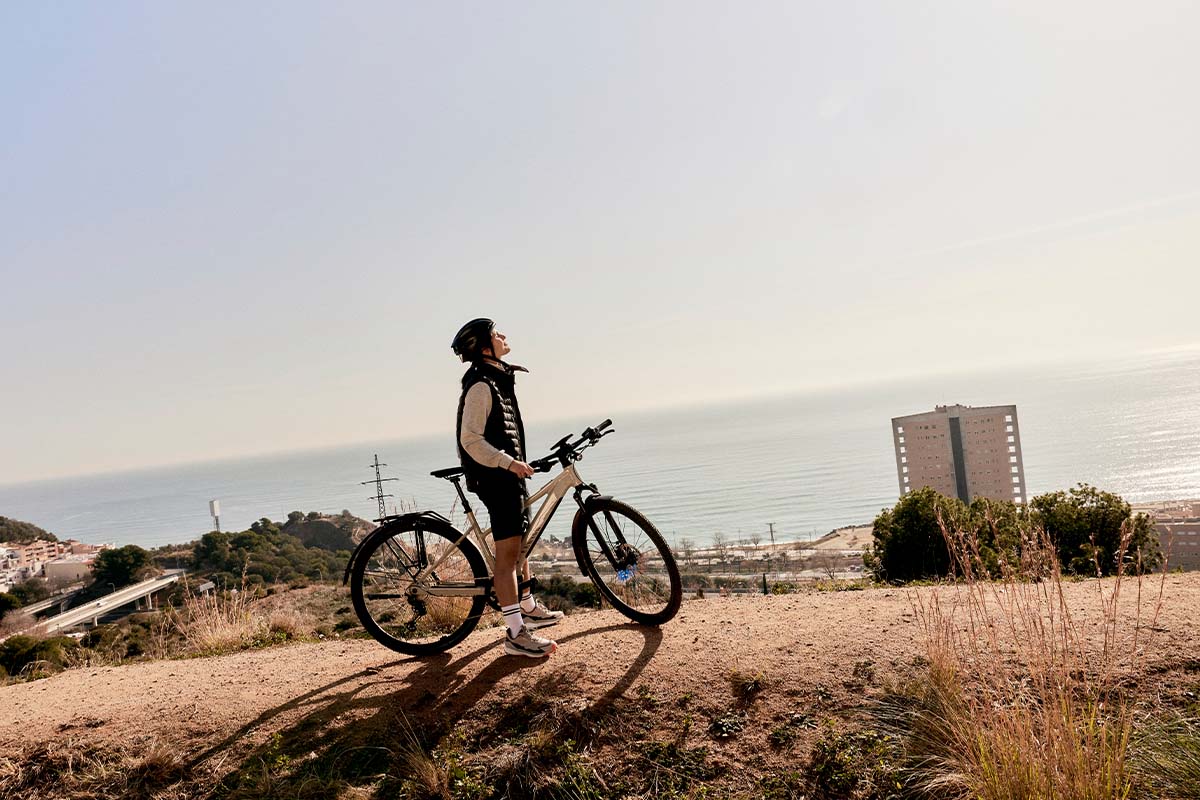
(231, 228)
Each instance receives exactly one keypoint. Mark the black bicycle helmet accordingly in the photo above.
(471, 338)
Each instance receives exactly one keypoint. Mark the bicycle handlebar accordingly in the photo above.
(564, 449)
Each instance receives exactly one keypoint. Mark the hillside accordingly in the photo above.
(17, 532)
(733, 694)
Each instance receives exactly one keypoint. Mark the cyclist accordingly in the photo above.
(491, 447)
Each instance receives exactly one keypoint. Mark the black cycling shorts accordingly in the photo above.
(506, 508)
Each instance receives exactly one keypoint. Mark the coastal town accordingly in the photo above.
(58, 563)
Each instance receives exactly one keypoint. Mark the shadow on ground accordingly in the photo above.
(359, 730)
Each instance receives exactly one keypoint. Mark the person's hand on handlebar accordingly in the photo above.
(520, 469)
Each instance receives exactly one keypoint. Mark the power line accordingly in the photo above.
(379, 481)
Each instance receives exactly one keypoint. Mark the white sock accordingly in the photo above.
(527, 602)
(512, 618)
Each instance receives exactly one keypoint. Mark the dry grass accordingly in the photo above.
(1020, 698)
(213, 623)
(74, 770)
(223, 622)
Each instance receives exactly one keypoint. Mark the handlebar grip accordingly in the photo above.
(603, 425)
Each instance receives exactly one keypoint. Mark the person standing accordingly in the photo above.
(491, 447)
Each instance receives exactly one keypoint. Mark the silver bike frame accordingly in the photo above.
(554, 491)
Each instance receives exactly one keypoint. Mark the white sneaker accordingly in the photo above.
(526, 643)
(540, 617)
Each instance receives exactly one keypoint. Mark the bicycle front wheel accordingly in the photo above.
(628, 560)
(408, 613)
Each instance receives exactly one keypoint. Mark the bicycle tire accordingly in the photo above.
(634, 585)
(452, 618)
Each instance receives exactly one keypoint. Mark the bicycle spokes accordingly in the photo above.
(408, 608)
(626, 561)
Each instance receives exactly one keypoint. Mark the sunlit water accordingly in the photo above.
(807, 463)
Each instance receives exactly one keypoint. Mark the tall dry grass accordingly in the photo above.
(1024, 695)
(223, 622)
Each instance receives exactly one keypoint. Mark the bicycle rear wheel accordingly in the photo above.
(628, 561)
(418, 616)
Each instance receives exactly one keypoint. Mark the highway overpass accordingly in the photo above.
(90, 613)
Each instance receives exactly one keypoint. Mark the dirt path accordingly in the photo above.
(806, 647)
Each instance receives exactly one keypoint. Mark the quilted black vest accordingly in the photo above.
(503, 429)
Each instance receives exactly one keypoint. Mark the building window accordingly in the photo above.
(903, 449)
(901, 440)
(905, 470)
(1012, 449)
(1016, 480)
(1008, 417)
(903, 459)
(1014, 470)
(1017, 499)
(906, 479)
(1012, 459)
(900, 429)
(1012, 439)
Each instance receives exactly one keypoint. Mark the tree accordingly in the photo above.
(8, 603)
(1085, 526)
(30, 591)
(212, 551)
(687, 547)
(719, 544)
(908, 543)
(997, 526)
(827, 563)
(120, 566)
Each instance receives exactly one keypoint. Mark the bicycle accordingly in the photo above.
(420, 585)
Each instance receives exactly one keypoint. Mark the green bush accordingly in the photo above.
(1084, 524)
(31, 591)
(565, 593)
(17, 652)
(121, 566)
(908, 542)
(8, 602)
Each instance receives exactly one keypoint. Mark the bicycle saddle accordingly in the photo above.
(449, 472)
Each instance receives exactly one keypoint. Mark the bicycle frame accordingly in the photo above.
(553, 493)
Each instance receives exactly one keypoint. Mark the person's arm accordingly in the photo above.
(476, 408)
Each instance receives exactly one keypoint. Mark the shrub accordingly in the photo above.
(30, 591)
(8, 602)
(1084, 524)
(907, 542)
(19, 652)
(565, 593)
(121, 566)
(1086, 527)
(845, 765)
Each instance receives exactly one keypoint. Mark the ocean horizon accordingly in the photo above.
(808, 463)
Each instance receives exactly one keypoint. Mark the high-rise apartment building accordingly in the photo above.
(962, 452)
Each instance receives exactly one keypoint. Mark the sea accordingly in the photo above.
(805, 464)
